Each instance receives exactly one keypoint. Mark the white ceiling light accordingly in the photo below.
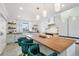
(21, 8)
(18, 16)
(57, 6)
(44, 13)
(74, 18)
(62, 5)
(37, 17)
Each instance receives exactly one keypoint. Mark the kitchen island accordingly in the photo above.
(63, 46)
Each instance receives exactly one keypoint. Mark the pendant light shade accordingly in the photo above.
(44, 13)
(57, 7)
(37, 17)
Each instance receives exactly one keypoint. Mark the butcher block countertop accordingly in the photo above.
(54, 43)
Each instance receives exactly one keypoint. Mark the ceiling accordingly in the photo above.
(30, 11)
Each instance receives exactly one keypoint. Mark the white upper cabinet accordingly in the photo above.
(61, 24)
(68, 22)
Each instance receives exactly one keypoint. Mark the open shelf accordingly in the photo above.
(11, 23)
(51, 24)
(11, 27)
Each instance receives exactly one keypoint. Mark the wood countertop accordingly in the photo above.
(57, 44)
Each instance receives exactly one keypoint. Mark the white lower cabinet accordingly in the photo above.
(77, 49)
(10, 38)
(70, 51)
(13, 37)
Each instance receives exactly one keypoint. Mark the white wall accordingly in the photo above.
(74, 23)
(42, 25)
(20, 22)
(3, 26)
(62, 18)
(31, 24)
(61, 24)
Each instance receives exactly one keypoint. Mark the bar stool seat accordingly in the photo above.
(21, 39)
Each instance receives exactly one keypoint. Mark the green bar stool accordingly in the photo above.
(21, 39)
(34, 50)
(25, 45)
(53, 54)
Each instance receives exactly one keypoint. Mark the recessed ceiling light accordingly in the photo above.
(57, 7)
(21, 8)
(62, 5)
(18, 16)
(74, 18)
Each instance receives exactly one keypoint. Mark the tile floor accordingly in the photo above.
(12, 50)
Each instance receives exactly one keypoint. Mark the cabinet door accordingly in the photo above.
(71, 51)
(61, 24)
(10, 38)
(77, 49)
